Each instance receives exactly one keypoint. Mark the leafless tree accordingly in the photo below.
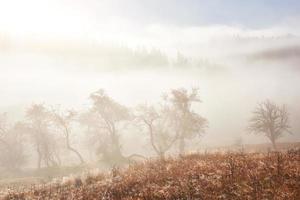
(11, 145)
(64, 120)
(104, 120)
(3, 129)
(189, 123)
(271, 120)
(159, 127)
(38, 125)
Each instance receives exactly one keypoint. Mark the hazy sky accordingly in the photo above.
(188, 26)
(252, 13)
(90, 18)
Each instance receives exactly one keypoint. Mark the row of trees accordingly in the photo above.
(46, 129)
(168, 125)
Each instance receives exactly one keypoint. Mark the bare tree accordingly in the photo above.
(3, 129)
(63, 121)
(159, 127)
(271, 120)
(11, 145)
(189, 123)
(38, 118)
(104, 120)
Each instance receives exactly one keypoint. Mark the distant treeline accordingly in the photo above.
(108, 56)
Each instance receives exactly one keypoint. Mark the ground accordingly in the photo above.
(196, 176)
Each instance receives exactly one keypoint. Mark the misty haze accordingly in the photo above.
(149, 99)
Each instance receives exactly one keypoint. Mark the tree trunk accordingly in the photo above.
(162, 155)
(39, 162)
(181, 145)
(156, 149)
(71, 148)
(77, 153)
(274, 144)
(116, 149)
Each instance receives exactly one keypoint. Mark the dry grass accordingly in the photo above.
(197, 176)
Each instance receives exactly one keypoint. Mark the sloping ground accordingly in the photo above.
(197, 176)
(256, 148)
(283, 146)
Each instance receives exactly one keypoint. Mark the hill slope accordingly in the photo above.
(197, 176)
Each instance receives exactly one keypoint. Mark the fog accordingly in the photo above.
(61, 59)
(229, 87)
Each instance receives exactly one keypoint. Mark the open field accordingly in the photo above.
(195, 176)
(149, 100)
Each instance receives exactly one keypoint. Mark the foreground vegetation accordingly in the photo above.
(196, 176)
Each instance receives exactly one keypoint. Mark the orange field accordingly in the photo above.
(195, 176)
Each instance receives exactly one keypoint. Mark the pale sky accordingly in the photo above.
(169, 25)
(112, 18)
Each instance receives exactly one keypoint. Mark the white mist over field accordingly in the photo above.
(149, 99)
(62, 51)
(229, 91)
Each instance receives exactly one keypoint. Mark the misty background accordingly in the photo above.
(237, 54)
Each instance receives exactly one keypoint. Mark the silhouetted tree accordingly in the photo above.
(11, 145)
(271, 120)
(159, 126)
(104, 120)
(3, 129)
(188, 123)
(63, 121)
(38, 124)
